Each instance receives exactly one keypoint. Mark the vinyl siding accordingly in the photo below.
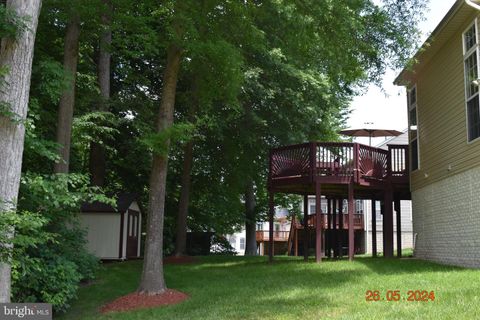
(406, 226)
(441, 113)
(103, 234)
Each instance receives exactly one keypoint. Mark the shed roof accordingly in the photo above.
(124, 200)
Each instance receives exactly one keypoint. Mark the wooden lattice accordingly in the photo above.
(290, 162)
(372, 162)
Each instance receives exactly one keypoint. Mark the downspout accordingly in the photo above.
(472, 4)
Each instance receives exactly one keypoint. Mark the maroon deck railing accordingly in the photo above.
(264, 235)
(357, 221)
(343, 160)
(399, 164)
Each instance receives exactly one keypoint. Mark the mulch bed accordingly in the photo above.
(180, 260)
(137, 300)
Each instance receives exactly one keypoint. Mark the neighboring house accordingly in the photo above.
(281, 233)
(113, 233)
(444, 135)
(406, 211)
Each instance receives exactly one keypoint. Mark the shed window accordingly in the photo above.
(471, 69)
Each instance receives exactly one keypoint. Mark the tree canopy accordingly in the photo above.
(179, 103)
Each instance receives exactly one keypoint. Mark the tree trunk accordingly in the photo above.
(152, 281)
(250, 221)
(97, 163)
(15, 55)
(181, 232)
(67, 100)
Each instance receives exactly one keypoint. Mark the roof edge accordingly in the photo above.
(399, 80)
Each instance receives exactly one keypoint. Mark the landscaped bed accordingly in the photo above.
(250, 288)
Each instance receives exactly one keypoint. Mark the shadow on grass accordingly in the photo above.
(248, 287)
(382, 265)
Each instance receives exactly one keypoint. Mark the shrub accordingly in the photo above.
(49, 278)
(49, 258)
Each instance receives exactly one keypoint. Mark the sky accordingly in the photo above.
(387, 109)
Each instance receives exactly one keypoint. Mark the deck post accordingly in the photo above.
(374, 227)
(388, 223)
(295, 252)
(318, 221)
(305, 227)
(334, 228)
(328, 241)
(340, 227)
(271, 215)
(351, 226)
(398, 211)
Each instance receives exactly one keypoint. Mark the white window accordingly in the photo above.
(471, 68)
(259, 226)
(359, 206)
(242, 243)
(324, 203)
(413, 127)
(233, 241)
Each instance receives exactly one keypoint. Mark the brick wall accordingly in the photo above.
(446, 220)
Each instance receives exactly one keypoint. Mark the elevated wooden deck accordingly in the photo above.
(296, 168)
(339, 171)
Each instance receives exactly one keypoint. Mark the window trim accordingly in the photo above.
(410, 108)
(466, 55)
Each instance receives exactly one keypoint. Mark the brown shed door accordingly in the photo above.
(132, 233)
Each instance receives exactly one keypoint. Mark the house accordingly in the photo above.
(113, 233)
(406, 211)
(281, 235)
(444, 138)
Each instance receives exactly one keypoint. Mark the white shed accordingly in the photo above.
(113, 234)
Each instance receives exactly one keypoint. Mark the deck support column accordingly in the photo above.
(340, 227)
(328, 241)
(351, 226)
(334, 228)
(388, 223)
(374, 227)
(271, 215)
(295, 251)
(398, 211)
(305, 228)
(318, 222)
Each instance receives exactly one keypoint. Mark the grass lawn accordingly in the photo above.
(250, 288)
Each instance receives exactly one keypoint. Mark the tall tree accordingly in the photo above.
(67, 100)
(250, 220)
(16, 56)
(97, 150)
(153, 281)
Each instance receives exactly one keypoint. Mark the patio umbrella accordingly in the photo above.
(364, 132)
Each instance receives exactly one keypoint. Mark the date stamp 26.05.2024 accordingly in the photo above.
(398, 295)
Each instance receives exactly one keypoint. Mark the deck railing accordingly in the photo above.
(357, 221)
(332, 159)
(399, 160)
(264, 235)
